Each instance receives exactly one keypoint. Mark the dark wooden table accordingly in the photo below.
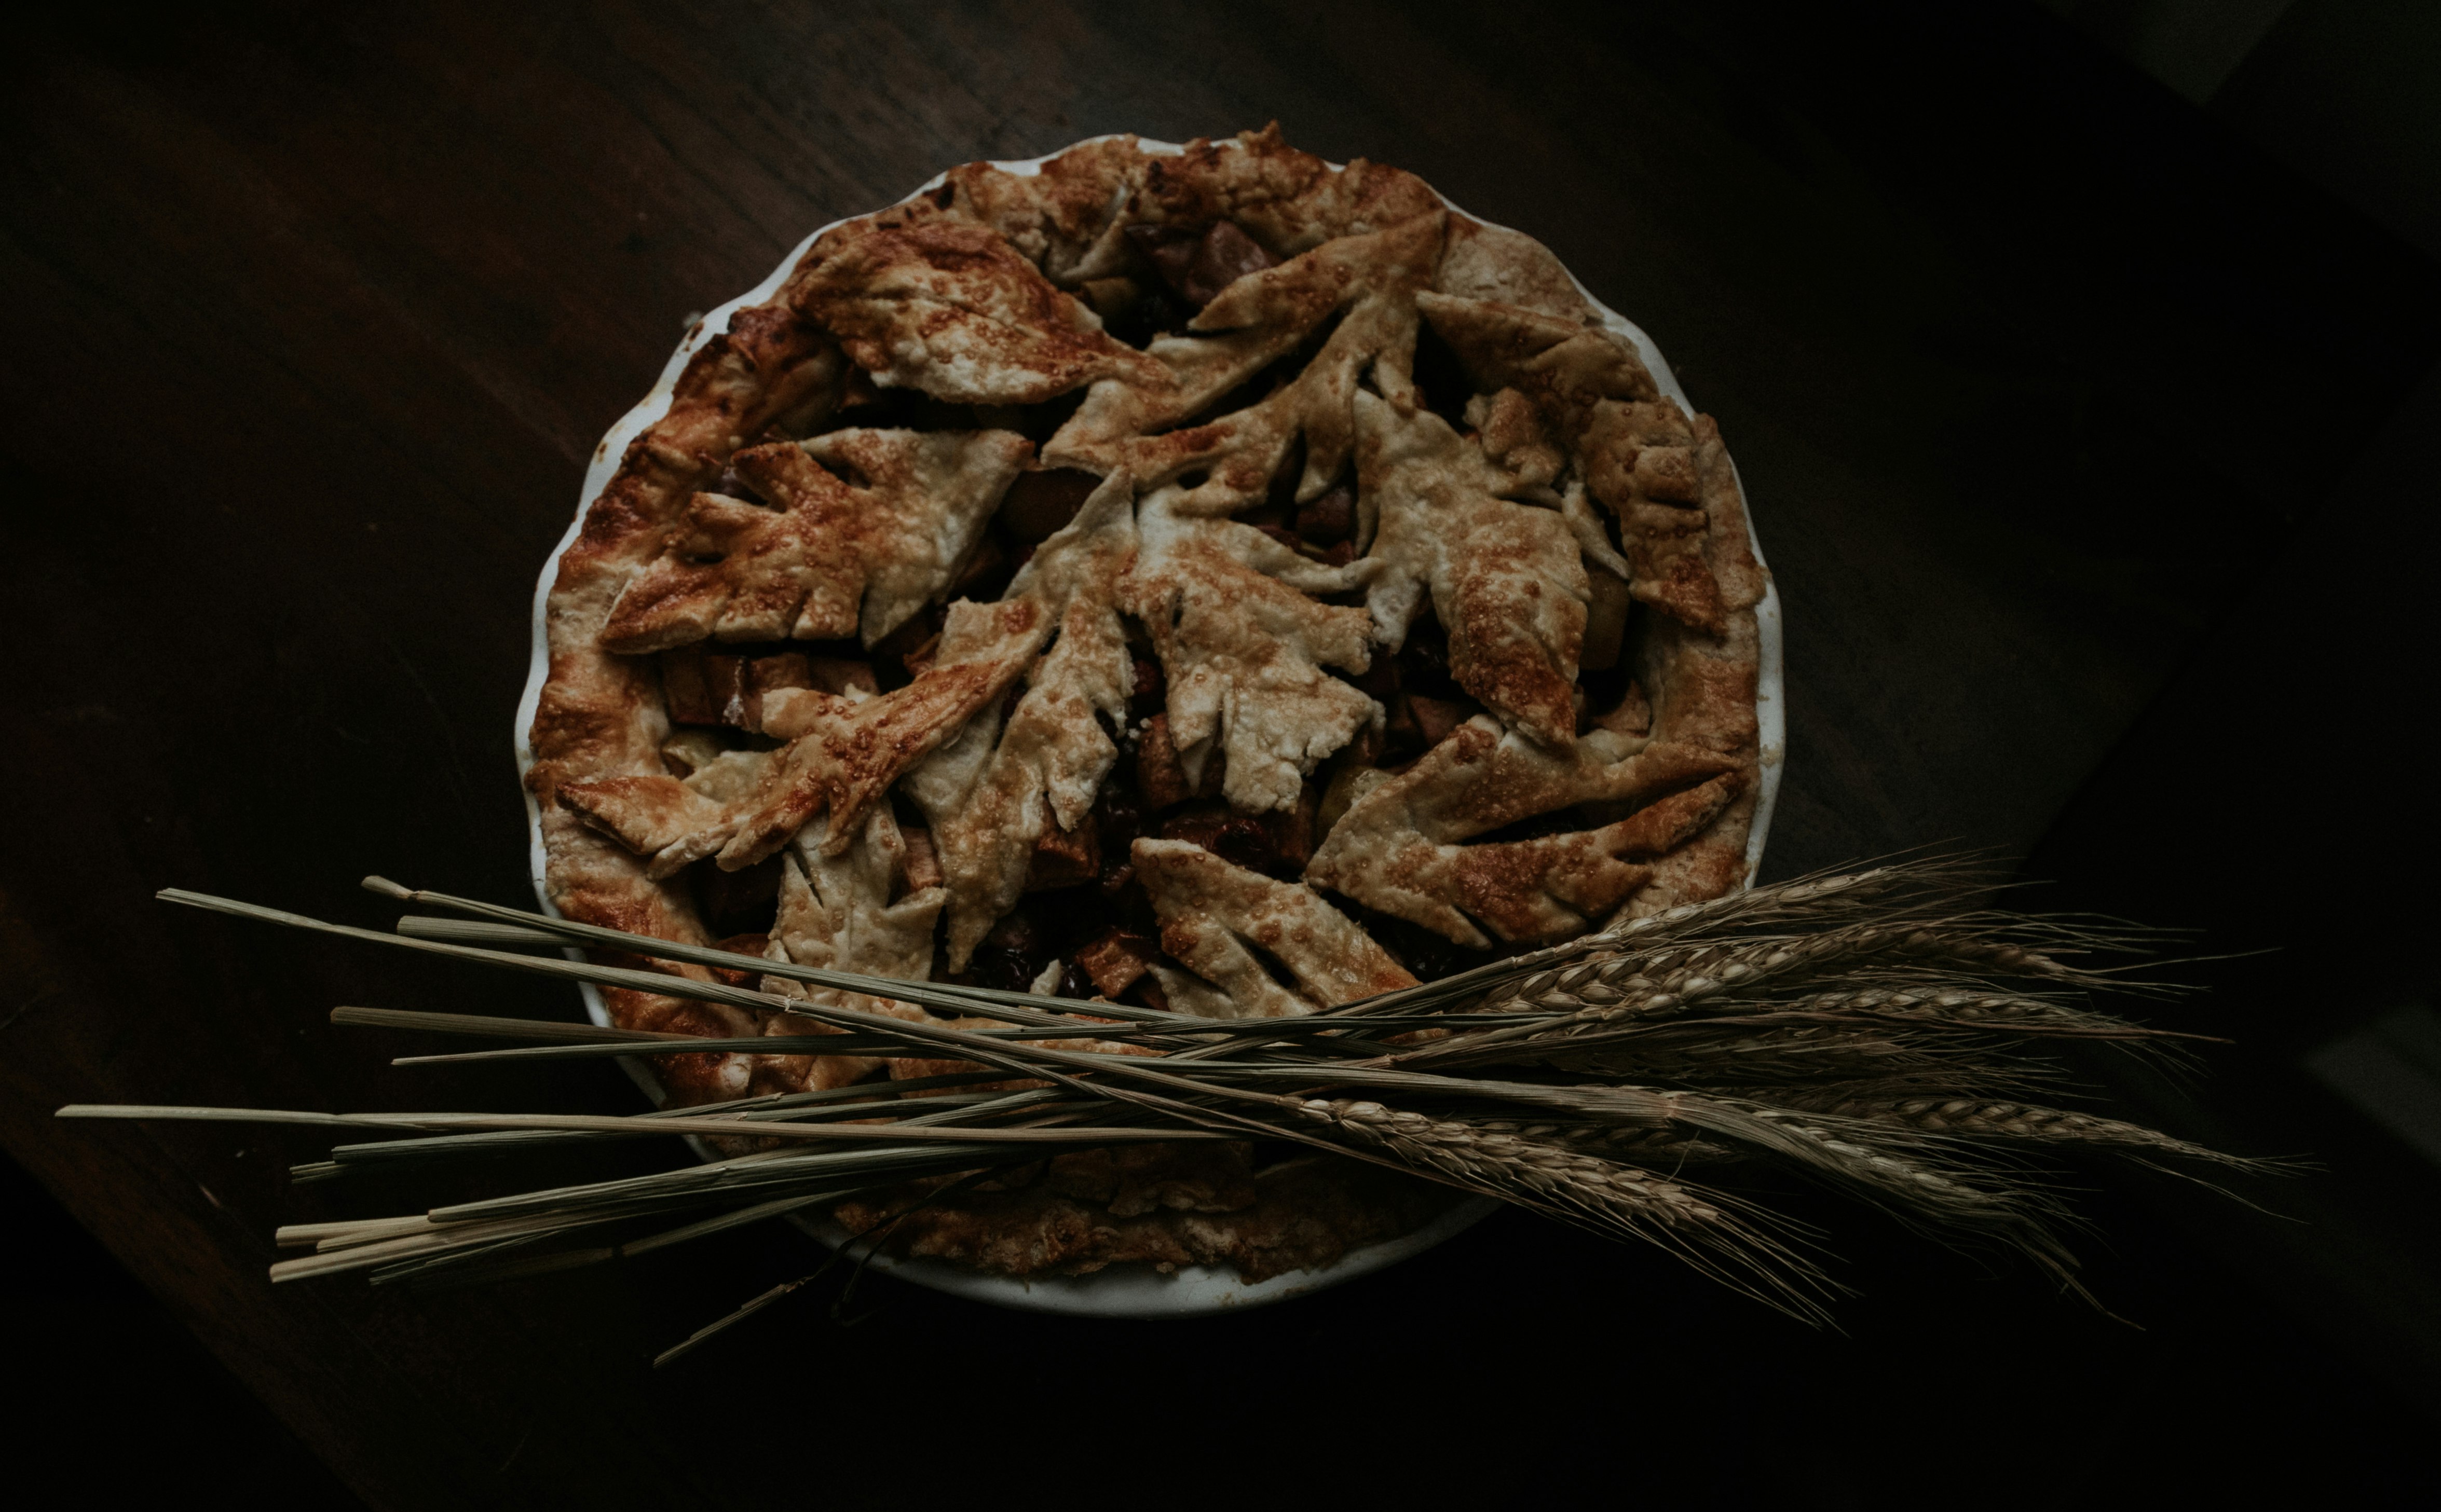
(315, 314)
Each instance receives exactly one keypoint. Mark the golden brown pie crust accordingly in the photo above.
(1571, 499)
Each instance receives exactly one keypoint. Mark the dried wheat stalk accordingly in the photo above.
(1872, 1031)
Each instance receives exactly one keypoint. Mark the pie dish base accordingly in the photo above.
(1132, 1290)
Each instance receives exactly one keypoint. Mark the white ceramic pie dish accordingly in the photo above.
(1123, 1290)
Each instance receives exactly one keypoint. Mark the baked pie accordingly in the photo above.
(1213, 580)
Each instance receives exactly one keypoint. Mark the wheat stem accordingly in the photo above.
(1868, 1028)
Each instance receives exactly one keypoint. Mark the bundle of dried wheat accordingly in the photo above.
(1876, 1032)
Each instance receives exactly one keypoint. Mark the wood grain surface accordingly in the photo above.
(314, 315)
